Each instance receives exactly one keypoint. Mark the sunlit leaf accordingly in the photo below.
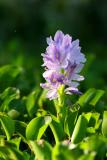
(97, 96)
(104, 124)
(90, 156)
(87, 97)
(36, 127)
(8, 125)
(11, 153)
(41, 149)
(79, 130)
(8, 95)
(70, 121)
(96, 144)
(63, 152)
(42, 98)
(57, 129)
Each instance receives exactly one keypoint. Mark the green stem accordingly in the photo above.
(60, 104)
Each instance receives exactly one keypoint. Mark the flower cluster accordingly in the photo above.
(63, 61)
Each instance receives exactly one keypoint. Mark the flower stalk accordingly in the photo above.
(60, 103)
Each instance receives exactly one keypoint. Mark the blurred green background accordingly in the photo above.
(25, 24)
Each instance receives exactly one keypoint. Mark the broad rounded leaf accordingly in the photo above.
(70, 121)
(7, 124)
(41, 149)
(57, 129)
(79, 130)
(31, 102)
(37, 126)
(11, 153)
(8, 95)
(20, 128)
(104, 124)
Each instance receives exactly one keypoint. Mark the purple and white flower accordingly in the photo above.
(63, 62)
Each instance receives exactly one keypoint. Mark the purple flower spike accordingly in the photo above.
(58, 38)
(63, 62)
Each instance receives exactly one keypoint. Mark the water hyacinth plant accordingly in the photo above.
(63, 62)
(33, 127)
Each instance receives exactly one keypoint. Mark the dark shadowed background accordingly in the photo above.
(25, 24)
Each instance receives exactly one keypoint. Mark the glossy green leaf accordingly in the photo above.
(90, 131)
(11, 153)
(27, 156)
(89, 156)
(63, 152)
(36, 127)
(41, 149)
(96, 144)
(104, 124)
(8, 125)
(87, 97)
(97, 96)
(79, 130)
(15, 142)
(70, 121)
(57, 129)
(8, 95)
(94, 120)
(92, 96)
(20, 128)
(87, 115)
(42, 98)
(31, 103)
